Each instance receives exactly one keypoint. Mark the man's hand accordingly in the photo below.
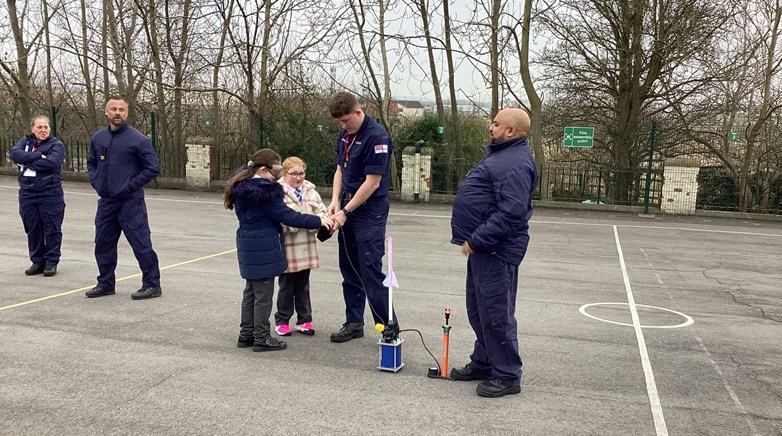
(333, 208)
(466, 250)
(339, 220)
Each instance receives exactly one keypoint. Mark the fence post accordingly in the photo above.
(649, 169)
(53, 112)
(260, 133)
(154, 138)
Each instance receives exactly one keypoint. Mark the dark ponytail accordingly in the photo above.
(262, 158)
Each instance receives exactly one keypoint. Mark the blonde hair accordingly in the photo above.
(291, 162)
(40, 117)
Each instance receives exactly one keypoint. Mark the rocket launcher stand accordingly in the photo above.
(443, 370)
(390, 344)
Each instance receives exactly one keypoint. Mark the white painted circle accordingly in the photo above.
(688, 319)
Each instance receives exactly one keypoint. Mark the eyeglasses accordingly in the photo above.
(296, 174)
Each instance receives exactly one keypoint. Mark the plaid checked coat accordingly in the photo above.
(301, 245)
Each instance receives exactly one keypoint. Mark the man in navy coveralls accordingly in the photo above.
(121, 161)
(490, 221)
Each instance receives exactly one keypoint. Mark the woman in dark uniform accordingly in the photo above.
(39, 157)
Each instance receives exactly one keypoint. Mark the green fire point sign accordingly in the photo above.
(579, 136)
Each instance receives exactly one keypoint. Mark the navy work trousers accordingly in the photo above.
(128, 216)
(42, 217)
(491, 308)
(361, 250)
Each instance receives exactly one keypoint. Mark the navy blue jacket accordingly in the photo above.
(493, 206)
(260, 244)
(121, 162)
(48, 177)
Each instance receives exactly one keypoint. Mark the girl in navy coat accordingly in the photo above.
(257, 198)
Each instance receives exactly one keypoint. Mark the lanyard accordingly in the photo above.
(347, 149)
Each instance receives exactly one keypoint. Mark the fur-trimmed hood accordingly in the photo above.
(257, 191)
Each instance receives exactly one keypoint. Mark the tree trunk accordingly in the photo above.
(104, 43)
(382, 95)
(21, 77)
(154, 42)
(535, 134)
(218, 130)
(48, 48)
(386, 103)
(764, 112)
(438, 98)
(91, 123)
(456, 127)
(495, 57)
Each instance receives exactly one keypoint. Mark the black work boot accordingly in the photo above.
(468, 373)
(496, 387)
(148, 292)
(97, 291)
(35, 269)
(50, 270)
(349, 330)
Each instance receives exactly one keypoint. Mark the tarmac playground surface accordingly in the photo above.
(628, 326)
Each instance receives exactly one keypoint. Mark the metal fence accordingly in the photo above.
(716, 189)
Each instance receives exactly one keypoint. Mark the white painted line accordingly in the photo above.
(648, 227)
(732, 394)
(687, 319)
(651, 387)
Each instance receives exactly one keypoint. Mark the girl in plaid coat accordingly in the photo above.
(301, 249)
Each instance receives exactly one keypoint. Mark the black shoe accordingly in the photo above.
(50, 270)
(244, 342)
(467, 373)
(349, 330)
(495, 387)
(34, 269)
(269, 344)
(144, 293)
(97, 291)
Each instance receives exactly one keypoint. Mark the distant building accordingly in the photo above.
(409, 110)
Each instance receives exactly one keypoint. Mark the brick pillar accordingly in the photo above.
(680, 189)
(416, 174)
(199, 161)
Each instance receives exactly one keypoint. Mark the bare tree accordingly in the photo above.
(266, 37)
(522, 44)
(611, 59)
(768, 103)
(456, 129)
(149, 14)
(423, 8)
(743, 98)
(21, 74)
(48, 50)
(381, 94)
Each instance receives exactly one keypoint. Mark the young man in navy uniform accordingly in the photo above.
(121, 161)
(359, 204)
(490, 221)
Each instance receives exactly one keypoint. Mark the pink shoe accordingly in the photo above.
(306, 328)
(283, 330)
